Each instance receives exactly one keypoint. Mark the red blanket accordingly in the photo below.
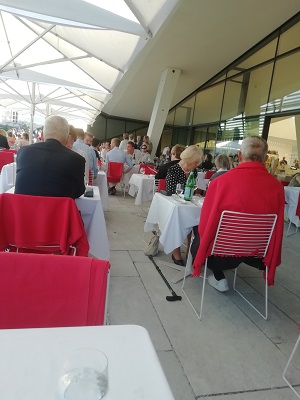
(247, 188)
(39, 221)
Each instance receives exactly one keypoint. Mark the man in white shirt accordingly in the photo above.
(81, 143)
(104, 151)
(124, 141)
(134, 154)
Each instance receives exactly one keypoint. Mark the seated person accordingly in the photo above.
(245, 188)
(175, 158)
(178, 173)
(3, 140)
(207, 164)
(145, 157)
(295, 181)
(118, 155)
(222, 163)
(49, 168)
(134, 154)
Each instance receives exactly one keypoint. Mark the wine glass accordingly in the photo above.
(142, 171)
(179, 189)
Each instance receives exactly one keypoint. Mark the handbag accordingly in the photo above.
(151, 248)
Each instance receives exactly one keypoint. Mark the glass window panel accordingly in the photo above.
(234, 99)
(285, 91)
(184, 113)
(170, 118)
(208, 105)
(258, 90)
(289, 39)
(264, 54)
(116, 126)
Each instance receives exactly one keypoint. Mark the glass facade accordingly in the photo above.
(265, 82)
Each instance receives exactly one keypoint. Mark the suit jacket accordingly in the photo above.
(3, 142)
(49, 169)
(247, 188)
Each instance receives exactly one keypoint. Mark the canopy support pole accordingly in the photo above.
(32, 113)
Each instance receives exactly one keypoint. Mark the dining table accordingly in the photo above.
(101, 182)
(32, 359)
(92, 214)
(292, 194)
(174, 217)
(141, 187)
(7, 177)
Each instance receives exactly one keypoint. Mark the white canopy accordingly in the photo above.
(76, 51)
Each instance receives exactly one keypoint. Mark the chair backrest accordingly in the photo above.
(149, 169)
(209, 174)
(159, 184)
(6, 157)
(285, 183)
(114, 171)
(34, 222)
(242, 234)
(91, 176)
(40, 291)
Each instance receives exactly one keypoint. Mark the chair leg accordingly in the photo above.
(287, 234)
(288, 364)
(264, 316)
(187, 272)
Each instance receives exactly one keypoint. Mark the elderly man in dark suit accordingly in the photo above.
(49, 168)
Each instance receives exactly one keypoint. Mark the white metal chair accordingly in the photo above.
(288, 364)
(240, 235)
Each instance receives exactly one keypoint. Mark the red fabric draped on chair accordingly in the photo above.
(34, 221)
(149, 169)
(6, 157)
(209, 174)
(114, 172)
(41, 291)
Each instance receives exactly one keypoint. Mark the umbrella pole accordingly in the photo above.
(32, 113)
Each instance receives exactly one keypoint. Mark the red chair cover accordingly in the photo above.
(161, 185)
(6, 157)
(209, 174)
(149, 169)
(41, 291)
(298, 207)
(31, 221)
(285, 183)
(114, 172)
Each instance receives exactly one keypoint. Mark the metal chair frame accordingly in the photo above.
(288, 364)
(239, 234)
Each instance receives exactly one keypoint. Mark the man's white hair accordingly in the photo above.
(254, 148)
(56, 127)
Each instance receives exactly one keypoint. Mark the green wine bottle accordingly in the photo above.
(189, 187)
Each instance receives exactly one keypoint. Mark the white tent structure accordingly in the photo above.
(66, 57)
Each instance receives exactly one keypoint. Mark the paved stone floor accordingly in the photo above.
(232, 354)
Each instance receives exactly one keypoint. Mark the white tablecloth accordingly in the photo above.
(175, 220)
(94, 224)
(291, 197)
(31, 361)
(101, 182)
(142, 187)
(7, 177)
(134, 170)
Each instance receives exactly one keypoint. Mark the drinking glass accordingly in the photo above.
(142, 171)
(179, 189)
(84, 376)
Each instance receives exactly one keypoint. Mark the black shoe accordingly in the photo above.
(112, 190)
(177, 262)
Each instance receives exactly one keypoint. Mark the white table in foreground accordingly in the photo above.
(31, 361)
(175, 220)
(291, 197)
(94, 224)
(142, 187)
(7, 177)
(101, 182)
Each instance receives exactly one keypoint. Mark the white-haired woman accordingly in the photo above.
(190, 158)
